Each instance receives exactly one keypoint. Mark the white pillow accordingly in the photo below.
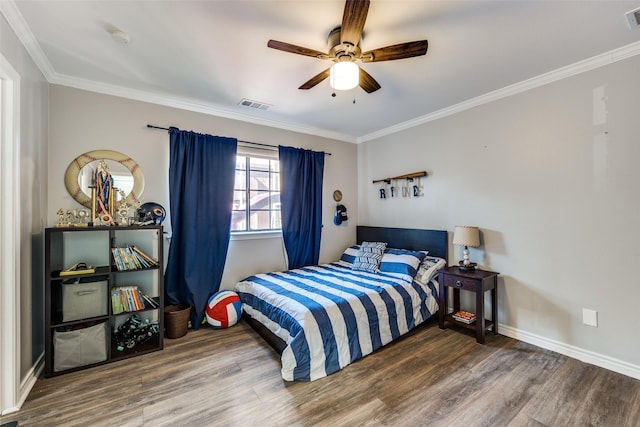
(401, 263)
(428, 269)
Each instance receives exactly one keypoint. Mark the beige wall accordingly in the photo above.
(551, 177)
(33, 197)
(82, 121)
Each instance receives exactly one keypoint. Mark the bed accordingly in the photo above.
(322, 318)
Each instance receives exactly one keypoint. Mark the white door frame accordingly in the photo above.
(9, 237)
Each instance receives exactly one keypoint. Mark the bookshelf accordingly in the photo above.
(106, 312)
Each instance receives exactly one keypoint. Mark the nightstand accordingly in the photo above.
(477, 281)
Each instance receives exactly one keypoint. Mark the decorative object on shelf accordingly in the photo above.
(104, 202)
(466, 236)
(123, 209)
(93, 206)
(81, 217)
(151, 213)
(407, 189)
(104, 219)
(62, 218)
(125, 172)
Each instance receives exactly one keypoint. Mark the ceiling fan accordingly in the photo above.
(344, 50)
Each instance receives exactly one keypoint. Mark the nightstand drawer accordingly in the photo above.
(460, 282)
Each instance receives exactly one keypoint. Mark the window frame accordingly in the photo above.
(248, 153)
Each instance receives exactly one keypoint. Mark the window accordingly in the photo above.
(256, 194)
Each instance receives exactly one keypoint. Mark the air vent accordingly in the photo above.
(633, 18)
(254, 104)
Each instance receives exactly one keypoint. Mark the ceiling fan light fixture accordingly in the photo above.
(344, 75)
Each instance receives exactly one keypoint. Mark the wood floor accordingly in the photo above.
(430, 377)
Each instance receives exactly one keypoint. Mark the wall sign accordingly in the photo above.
(408, 185)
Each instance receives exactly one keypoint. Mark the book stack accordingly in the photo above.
(131, 258)
(130, 298)
(464, 316)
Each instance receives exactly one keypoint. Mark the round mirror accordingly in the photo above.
(126, 174)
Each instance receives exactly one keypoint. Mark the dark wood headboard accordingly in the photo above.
(434, 241)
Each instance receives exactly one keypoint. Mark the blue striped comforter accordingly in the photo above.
(330, 315)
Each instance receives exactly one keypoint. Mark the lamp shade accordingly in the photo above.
(465, 235)
(344, 75)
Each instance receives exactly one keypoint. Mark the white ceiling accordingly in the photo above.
(208, 55)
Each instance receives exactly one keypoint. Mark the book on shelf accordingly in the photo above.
(129, 298)
(131, 258)
(144, 258)
(152, 303)
(464, 316)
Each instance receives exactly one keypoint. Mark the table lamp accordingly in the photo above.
(466, 236)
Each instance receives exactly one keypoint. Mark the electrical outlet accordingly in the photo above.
(590, 317)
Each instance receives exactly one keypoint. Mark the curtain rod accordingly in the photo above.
(243, 142)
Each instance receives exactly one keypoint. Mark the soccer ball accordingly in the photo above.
(224, 309)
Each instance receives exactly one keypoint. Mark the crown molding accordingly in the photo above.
(191, 105)
(18, 24)
(583, 66)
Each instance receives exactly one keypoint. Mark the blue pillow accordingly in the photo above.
(369, 256)
(401, 262)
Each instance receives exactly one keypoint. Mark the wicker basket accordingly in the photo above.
(176, 320)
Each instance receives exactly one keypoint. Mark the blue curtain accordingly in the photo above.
(301, 204)
(201, 177)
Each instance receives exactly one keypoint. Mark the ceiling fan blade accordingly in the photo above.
(292, 48)
(353, 19)
(315, 79)
(368, 83)
(396, 51)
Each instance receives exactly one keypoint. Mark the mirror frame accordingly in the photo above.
(74, 168)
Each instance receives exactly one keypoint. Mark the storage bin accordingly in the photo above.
(83, 300)
(79, 347)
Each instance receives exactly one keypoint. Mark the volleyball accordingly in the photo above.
(224, 309)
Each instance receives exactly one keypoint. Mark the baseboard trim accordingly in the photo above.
(27, 384)
(583, 355)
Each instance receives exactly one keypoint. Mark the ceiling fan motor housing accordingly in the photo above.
(339, 52)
